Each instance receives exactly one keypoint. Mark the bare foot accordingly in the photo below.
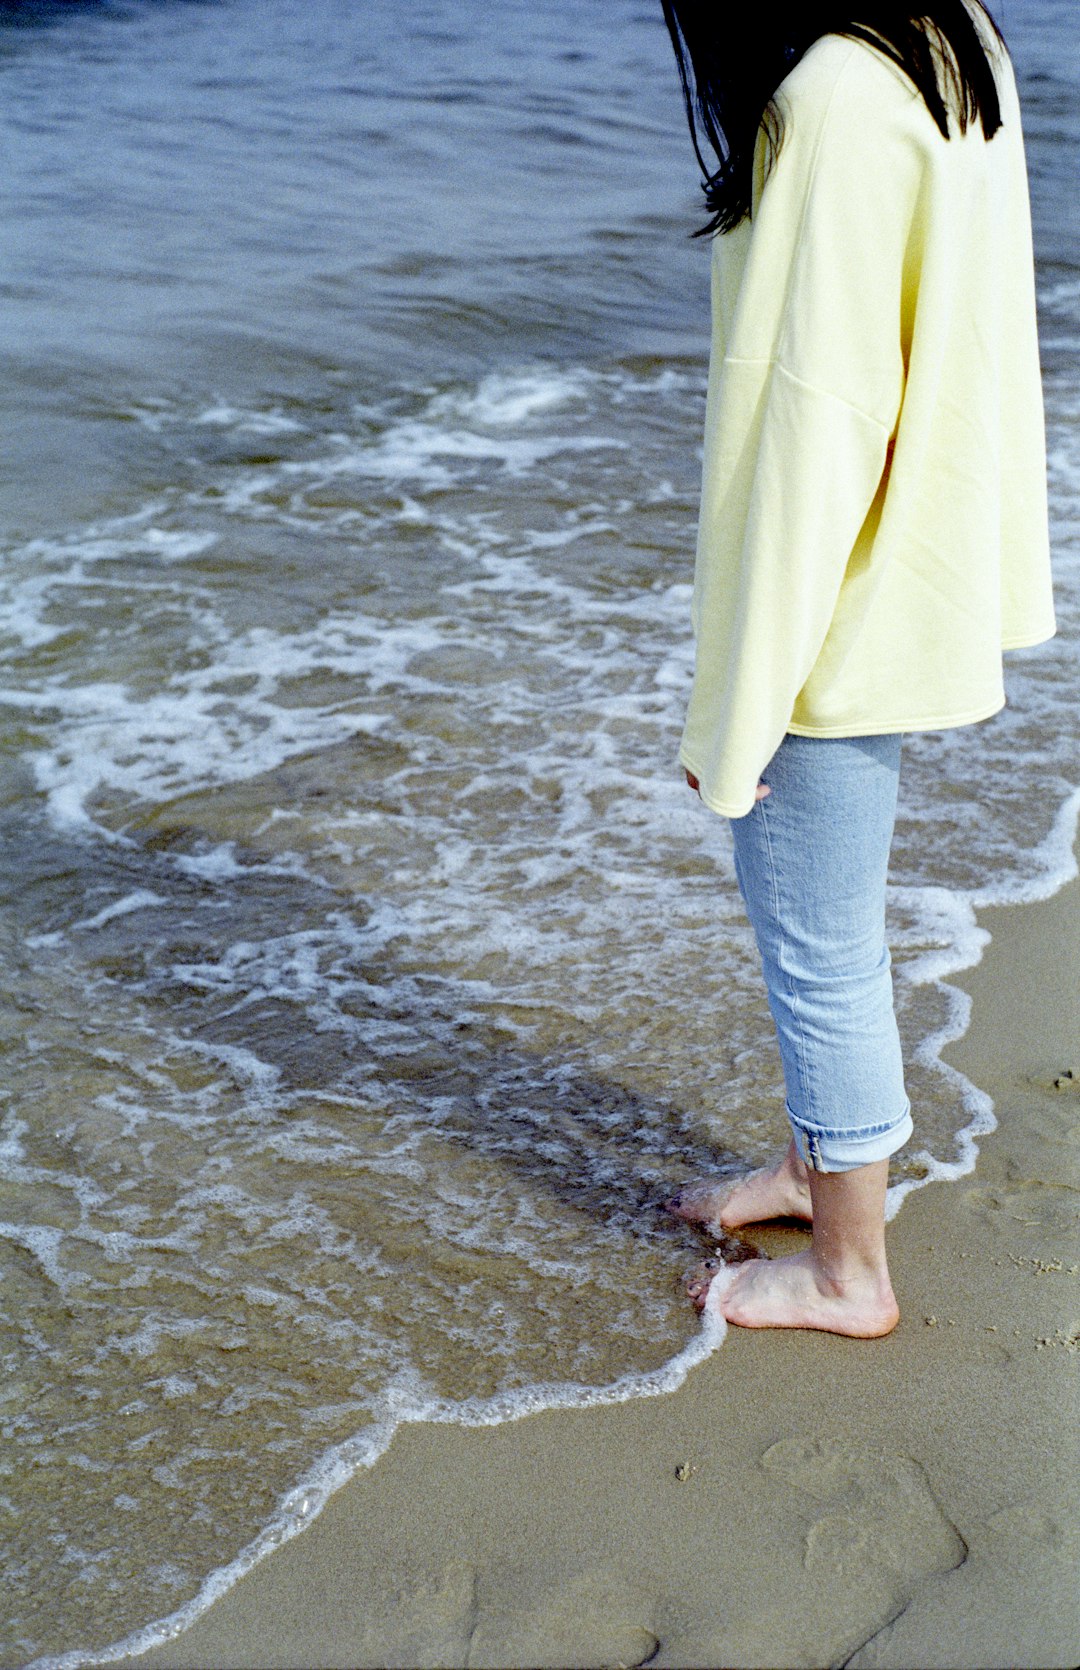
(796, 1293)
(779, 1191)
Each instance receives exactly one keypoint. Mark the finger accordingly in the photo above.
(761, 791)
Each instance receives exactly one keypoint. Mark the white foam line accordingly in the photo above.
(140, 899)
(306, 1500)
(43, 1243)
(1055, 865)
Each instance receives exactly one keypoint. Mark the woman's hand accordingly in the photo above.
(759, 793)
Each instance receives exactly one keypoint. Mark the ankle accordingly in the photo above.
(842, 1271)
(796, 1169)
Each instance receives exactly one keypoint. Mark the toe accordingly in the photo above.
(696, 1202)
(686, 1199)
(697, 1282)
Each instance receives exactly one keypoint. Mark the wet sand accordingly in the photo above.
(802, 1499)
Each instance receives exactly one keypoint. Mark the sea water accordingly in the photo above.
(371, 975)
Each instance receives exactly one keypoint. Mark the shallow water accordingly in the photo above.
(372, 977)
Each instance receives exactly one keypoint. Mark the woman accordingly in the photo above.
(873, 534)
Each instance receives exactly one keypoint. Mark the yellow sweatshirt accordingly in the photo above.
(873, 526)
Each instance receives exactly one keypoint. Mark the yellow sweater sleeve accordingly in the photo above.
(806, 383)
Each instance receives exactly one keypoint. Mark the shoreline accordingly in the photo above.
(911, 1500)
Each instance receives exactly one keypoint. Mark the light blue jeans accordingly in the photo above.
(811, 861)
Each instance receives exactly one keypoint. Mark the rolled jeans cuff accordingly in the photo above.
(831, 1150)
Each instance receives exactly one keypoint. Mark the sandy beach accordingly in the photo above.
(802, 1499)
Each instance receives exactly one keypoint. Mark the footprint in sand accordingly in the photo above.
(561, 1614)
(880, 1537)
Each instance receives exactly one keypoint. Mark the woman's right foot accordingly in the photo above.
(797, 1293)
(780, 1191)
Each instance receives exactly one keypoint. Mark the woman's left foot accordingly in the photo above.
(795, 1293)
(718, 1204)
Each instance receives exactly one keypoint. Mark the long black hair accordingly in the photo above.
(730, 74)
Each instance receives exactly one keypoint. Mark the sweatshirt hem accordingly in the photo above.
(885, 727)
(1029, 640)
(862, 727)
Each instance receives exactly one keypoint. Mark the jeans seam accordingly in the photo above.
(789, 979)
